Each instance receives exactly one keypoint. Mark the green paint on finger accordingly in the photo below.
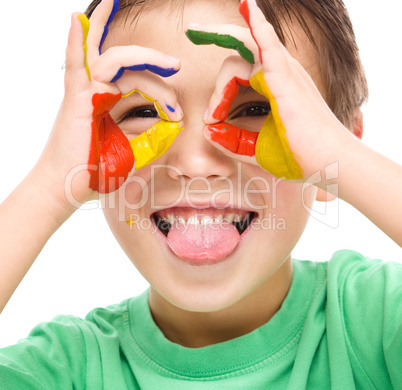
(222, 40)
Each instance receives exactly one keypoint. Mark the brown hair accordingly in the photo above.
(338, 55)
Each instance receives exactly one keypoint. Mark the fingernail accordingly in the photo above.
(173, 59)
(194, 25)
(179, 111)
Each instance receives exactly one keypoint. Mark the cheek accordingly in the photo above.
(293, 200)
(286, 206)
(127, 203)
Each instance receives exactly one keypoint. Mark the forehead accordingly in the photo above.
(162, 27)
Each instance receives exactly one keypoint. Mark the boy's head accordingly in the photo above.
(193, 179)
(327, 25)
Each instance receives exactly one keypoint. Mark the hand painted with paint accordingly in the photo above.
(86, 145)
(292, 141)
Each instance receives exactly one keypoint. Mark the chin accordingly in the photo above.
(204, 300)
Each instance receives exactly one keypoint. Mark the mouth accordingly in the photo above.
(165, 219)
(202, 236)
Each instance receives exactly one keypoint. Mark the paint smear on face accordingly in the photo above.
(111, 158)
(229, 94)
(233, 138)
(273, 152)
(222, 40)
(85, 29)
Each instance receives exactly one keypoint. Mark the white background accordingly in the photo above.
(82, 266)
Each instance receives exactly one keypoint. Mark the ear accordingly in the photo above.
(357, 130)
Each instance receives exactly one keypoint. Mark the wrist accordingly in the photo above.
(48, 193)
(335, 156)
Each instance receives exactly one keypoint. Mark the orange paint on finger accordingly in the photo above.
(229, 94)
(234, 139)
(111, 158)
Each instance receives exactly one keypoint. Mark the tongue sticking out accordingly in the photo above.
(203, 242)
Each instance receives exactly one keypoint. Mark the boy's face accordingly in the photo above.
(195, 177)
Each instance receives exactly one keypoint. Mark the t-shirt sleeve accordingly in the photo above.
(370, 300)
(392, 337)
(51, 357)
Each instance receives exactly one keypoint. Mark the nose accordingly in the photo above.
(193, 156)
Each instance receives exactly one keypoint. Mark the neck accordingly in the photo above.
(199, 329)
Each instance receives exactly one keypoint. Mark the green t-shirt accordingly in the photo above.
(340, 327)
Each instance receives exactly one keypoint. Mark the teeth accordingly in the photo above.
(230, 217)
(171, 219)
(181, 220)
(204, 220)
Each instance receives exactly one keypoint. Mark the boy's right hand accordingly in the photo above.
(87, 153)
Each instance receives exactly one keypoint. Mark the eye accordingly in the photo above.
(142, 112)
(255, 109)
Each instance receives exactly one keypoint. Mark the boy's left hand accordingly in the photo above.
(301, 135)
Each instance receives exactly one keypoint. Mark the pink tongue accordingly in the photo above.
(203, 242)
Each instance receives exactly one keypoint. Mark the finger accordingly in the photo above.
(110, 150)
(233, 141)
(273, 152)
(153, 89)
(77, 71)
(154, 142)
(234, 72)
(101, 18)
(271, 51)
(111, 66)
(112, 15)
(229, 36)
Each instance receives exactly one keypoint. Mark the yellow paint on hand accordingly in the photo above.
(154, 142)
(85, 28)
(272, 150)
(161, 113)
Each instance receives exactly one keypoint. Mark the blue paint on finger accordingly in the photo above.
(170, 108)
(164, 72)
(112, 15)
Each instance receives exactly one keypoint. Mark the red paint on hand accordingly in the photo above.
(110, 150)
(229, 94)
(233, 138)
(245, 12)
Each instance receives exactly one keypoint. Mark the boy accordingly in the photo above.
(227, 307)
